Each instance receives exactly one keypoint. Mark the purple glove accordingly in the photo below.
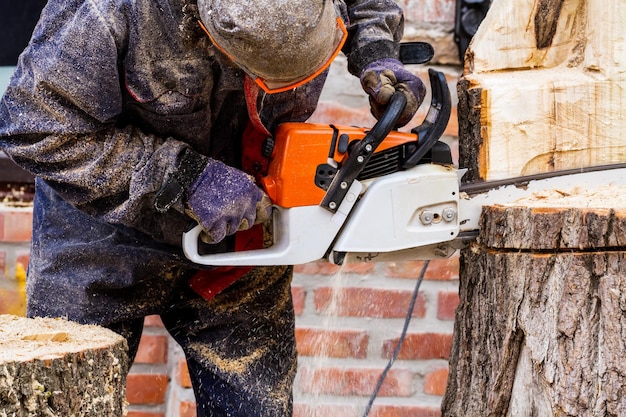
(224, 200)
(382, 78)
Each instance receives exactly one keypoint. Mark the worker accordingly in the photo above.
(133, 115)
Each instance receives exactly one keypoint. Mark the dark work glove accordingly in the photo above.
(382, 78)
(224, 200)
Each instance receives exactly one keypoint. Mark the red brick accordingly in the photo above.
(15, 224)
(404, 411)
(356, 381)
(362, 268)
(143, 414)
(438, 269)
(23, 258)
(306, 269)
(146, 388)
(298, 294)
(435, 382)
(447, 302)
(420, 346)
(152, 349)
(153, 321)
(332, 343)
(367, 302)
(439, 11)
(320, 267)
(331, 410)
(443, 269)
(326, 410)
(182, 374)
(187, 409)
(323, 267)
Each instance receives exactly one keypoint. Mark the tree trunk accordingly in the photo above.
(542, 316)
(55, 368)
(540, 327)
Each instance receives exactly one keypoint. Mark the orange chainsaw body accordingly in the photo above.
(301, 149)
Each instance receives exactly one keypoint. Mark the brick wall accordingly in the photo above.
(348, 319)
(348, 323)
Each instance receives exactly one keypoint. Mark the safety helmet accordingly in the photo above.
(281, 44)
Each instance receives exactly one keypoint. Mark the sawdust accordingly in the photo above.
(238, 365)
(605, 196)
(23, 339)
(258, 281)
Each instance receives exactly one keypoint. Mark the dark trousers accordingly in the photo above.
(240, 345)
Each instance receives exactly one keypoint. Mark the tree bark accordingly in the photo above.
(52, 367)
(540, 327)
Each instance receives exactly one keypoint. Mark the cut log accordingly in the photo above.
(53, 367)
(544, 88)
(542, 317)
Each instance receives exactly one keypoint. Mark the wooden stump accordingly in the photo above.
(541, 327)
(56, 368)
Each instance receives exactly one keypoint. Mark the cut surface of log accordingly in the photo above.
(542, 314)
(53, 367)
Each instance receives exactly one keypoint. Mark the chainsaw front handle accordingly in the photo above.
(428, 134)
(361, 152)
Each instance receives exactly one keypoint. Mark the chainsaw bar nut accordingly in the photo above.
(449, 214)
(427, 217)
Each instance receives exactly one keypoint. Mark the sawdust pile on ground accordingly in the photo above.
(23, 339)
(605, 196)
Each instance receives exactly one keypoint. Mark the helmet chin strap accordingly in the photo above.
(251, 91)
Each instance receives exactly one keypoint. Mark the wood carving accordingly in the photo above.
(544, 88)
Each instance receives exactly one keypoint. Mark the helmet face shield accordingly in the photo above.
(282, 46)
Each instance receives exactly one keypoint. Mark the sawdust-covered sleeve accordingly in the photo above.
(375, 30)
(61, 117)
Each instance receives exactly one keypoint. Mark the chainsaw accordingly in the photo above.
(379, 194)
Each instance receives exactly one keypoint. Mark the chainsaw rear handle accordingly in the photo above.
(300, 235)
(416, 52)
